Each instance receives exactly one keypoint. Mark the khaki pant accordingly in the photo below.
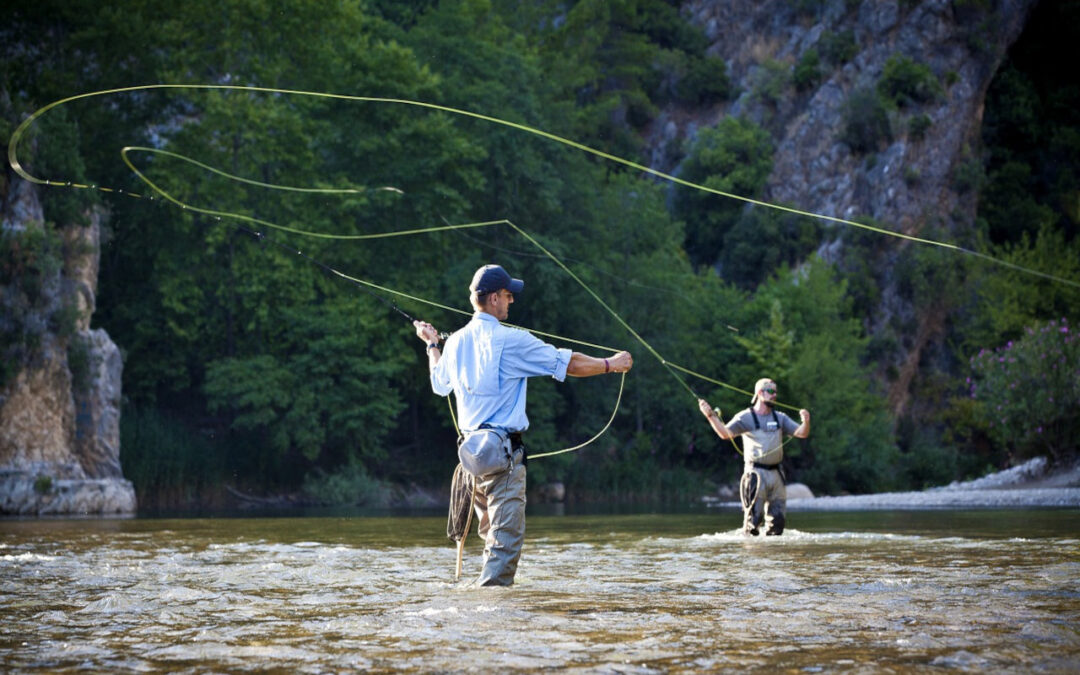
(763, 493)
(500, 510)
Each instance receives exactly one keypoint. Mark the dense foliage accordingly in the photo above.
(1029, 390)
(251, 367)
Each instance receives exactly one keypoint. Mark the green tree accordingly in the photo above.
(227, 329)
(761, 240)
(616, 61)
(851, 446)
(734, 157)
(327, 388)
(1006, 301)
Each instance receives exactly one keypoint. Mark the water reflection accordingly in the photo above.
(973, 591)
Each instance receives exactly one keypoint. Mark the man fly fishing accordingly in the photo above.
(487, 366)
(762, 486)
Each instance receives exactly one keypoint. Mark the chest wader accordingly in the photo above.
(498, 502)
(761, 485)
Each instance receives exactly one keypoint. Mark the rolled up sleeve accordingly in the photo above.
(528, 356)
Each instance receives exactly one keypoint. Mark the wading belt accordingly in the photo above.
(779, 469)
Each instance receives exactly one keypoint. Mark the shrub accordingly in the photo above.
(43, 484)
(169, 463)
(706, 81)
(29, 266)
(866, 122)
(809, 8)
(1030, 389)
(65, 320)
(30, 259)
(968, 175)
(769, 82)
(80, 364)
(807, 71)
(838, 48)
(54, 154)
(903, 82)
(351, 486)
(926, 463)
(918, 125)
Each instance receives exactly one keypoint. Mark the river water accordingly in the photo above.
(970, 591)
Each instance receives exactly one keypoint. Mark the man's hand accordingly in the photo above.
(706, 409)
(426, 332)
(804, 414)
(621, 362)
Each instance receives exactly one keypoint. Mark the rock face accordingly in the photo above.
(60, 413)
(913, 179)
(814, 170)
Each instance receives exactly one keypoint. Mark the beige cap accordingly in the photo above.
(758, 386)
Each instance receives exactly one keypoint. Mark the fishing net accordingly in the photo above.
(748, 488)
(461, 497)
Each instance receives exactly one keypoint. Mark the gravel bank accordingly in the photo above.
(1032, 484)
(943, 498)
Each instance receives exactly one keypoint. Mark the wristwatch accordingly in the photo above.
(432, 345)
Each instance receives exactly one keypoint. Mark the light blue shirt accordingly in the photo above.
(487, 366)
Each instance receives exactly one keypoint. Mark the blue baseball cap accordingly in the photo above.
(491, 278)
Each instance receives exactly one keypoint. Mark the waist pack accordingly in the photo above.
(485, 451)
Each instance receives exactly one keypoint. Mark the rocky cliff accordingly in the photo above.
(912, 176)
(60, 404)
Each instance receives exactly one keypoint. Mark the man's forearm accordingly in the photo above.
(718, 426)
(586, 366)
(582, 365)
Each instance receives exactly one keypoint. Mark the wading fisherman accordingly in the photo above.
(487, 365)
(762, 486)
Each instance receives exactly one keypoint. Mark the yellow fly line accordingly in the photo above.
(21, 129)
(673, 368)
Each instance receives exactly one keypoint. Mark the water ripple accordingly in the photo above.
(313, 596)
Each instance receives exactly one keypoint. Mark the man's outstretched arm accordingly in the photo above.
(582, 365)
